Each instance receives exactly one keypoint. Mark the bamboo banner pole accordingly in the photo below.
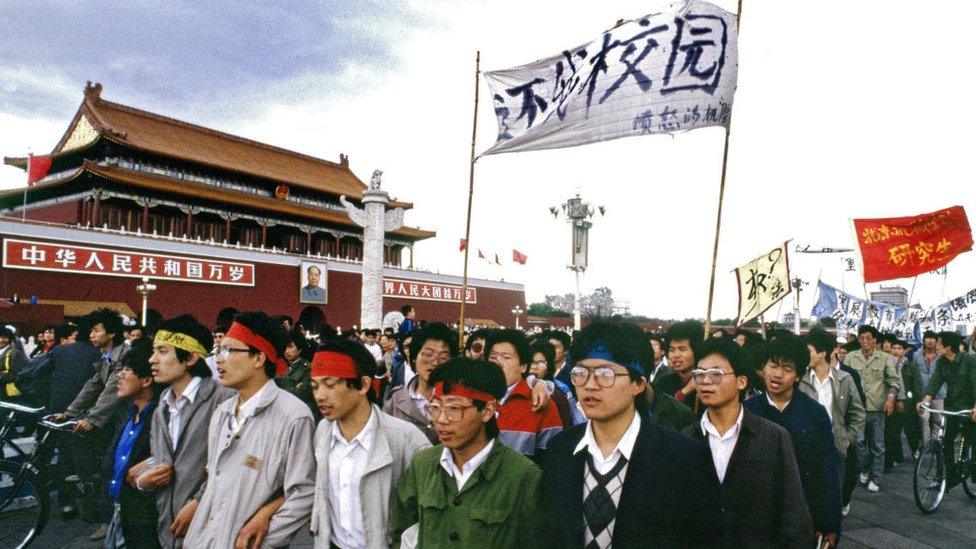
(721, 200)
(912, 293)
(467, 227)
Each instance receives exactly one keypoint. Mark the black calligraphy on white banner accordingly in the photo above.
(662, 73)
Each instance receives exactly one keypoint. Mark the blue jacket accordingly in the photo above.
(813, 443)
(71, 368)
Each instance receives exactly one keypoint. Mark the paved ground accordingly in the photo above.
(887, 519)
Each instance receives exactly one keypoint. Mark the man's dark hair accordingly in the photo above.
(310, 267)
(951, 340)
(868, 329)
(728, 350)
(266, 327)
(821, 341)
(189, 325)
(480, 333)
(660, 341)
(405, 310)
(6, 332)
(789, 350)
(899, 342)
(561, 337)
(312, 318)
(111, 321)
(435, 331)
(852, 346)
(548, 350)
(929, 334)
(516, 338)
(226, 316)
(691, 331)
(63, 331)
(474, 374)
(137, 359)
(627, 345)
(363, 359)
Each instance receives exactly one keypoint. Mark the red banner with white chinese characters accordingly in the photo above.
(428, 291)
(902, 247)
(69, 258)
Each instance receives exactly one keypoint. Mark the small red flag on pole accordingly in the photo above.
(37, 168)
(463, 245)
(519, 257)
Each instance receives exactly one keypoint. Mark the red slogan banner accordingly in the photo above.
(68, 258)
(429, 291)
(902, 247)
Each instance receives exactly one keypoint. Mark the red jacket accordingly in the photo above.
(522, 429)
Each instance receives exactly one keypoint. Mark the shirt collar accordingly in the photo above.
(412, 391)
(773, 404)
(709, 429)
(248, 408)
(190, 392)
(364, 438)
(816, 379)
(625, 445)
(447, 459)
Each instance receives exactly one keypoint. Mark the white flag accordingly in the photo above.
(662, 73)
(762, 282)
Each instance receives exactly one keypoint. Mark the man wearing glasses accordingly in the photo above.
(522, 428)
(761, 495)
(470, 490)
(361, 453)
(620, 480)
(180, 424)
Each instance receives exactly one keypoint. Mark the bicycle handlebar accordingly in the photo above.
(65, 426)
(960, 413)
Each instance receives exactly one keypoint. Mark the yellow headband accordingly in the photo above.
(180, 341)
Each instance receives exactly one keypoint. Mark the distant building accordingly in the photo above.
(892, 295)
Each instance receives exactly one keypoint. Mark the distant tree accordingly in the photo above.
(545, 309)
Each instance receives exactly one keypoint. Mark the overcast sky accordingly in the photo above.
(844, 109)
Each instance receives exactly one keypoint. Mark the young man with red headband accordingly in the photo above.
(470, 490)
(360, 452)
(260, 443)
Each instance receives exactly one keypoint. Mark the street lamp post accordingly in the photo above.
(578, 214)
(517, 311)
(145, 289)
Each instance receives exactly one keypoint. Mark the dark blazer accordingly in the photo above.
(139, 516)
(668, 498)
(762, 498)
(71, 367)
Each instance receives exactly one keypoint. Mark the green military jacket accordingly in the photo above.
(911, 380)
(960, 378)
(879, 377)
(668, 412)
(497, 507)
(298, 381)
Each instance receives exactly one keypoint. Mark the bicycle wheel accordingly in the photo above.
(930, 478)
(23, 505)
(969, 469)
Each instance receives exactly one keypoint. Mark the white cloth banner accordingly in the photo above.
(762, 282)
(662, 73)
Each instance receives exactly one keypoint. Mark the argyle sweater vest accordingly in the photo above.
(601, 496)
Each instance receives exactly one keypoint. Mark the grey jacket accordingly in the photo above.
(97, 403)
(847, 416)
(189, 461)
(393, 446)
(270, 455)
(401, 406)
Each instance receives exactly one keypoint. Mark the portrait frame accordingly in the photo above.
(304, 294)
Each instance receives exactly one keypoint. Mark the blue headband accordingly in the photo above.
(601, 351)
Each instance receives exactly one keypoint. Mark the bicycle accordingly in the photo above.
(26, 482)
(930, 478)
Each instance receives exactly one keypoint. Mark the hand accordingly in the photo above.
(540, 397)
(158, 476)
(918, 407)
(254, 529)
(889, 406)
(830, 540)
(689, 387)
(182, 521)
(974, 414)
(900, 406)
(58, 418)
(83, 427)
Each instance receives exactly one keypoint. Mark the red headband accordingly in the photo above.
(244, 334)
(333, 364)
(462, 391)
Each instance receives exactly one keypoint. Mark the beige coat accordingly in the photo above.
(393, 446)
(847, 416)
(271, 455)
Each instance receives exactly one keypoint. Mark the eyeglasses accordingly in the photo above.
(440, 358)
(713, 376)
(224, 352)
(453, 412)
(604, 375)
(541, 363)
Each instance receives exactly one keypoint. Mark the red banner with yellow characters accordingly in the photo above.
(902, 247)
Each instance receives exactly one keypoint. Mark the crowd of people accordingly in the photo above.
(245, 434)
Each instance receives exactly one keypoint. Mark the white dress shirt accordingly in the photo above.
(625, 446)
(247, 409)
(825, 391)
(347, 460)
(721, 445)
(419, 400)
(775, 405)
(176, 407)
(464, 473)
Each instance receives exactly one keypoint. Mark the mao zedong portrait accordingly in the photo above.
(312, 291)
